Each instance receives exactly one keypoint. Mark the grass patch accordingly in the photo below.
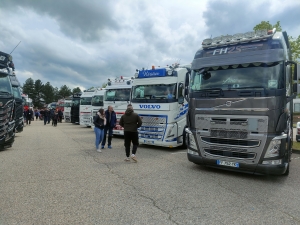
(296, 145)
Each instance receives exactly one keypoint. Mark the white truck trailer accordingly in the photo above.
(85, 110)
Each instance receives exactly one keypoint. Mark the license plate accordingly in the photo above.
(148, 142)
(225, 163)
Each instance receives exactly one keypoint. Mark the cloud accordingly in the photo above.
(230, 17)
(86, 20)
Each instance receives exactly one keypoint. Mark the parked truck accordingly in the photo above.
(117, 95)
(7, 102)
(19, 122)
(85, 108)
(240, 93)
(75, 108)
(157, 96)
(97, 102)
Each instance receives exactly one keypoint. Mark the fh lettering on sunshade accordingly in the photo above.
(149, 106)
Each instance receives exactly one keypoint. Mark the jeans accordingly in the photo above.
(110, 133)
(99, 136)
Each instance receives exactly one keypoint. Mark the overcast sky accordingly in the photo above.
(82, 43)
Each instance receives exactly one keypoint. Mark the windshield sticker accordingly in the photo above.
(272, 83)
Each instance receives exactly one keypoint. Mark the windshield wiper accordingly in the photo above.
(211, 89)
(251, 87)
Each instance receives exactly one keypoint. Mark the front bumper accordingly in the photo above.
(168, 144)
(243, 167)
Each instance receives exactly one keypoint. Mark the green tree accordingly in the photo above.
(104, 85)
(56, 94)
(64, 91)
(28, 88)
(76, 90)
(48, 93)
(38, 93)
(294, 42)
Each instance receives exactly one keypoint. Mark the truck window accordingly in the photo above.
(238, 76)
(155, 91)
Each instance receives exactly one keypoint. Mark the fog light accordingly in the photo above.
(272, 162)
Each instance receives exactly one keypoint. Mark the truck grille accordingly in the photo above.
(237, 142)
(232, 154)
(229, 133)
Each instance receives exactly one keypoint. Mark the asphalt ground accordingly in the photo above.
(53, 175)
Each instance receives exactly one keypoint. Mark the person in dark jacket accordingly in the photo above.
(131, 122)
(60, 115)
(55, 119)
(111, 120)
(29, 115)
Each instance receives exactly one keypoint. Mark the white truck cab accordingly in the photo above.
(97, 102)
(85, 110)
(157, 96)
(117, 95)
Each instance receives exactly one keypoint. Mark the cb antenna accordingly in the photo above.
(15, 47)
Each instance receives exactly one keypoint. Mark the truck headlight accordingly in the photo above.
(191, 143)
(273, 149)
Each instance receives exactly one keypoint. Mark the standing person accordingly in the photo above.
(45, 115)
(99, 122)
(111, 120)
(29, 115)
(60, 114)
(51, 114)
(54, 119)
(36, 113)
(131, 122)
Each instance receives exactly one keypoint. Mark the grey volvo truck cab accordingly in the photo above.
(240, 93)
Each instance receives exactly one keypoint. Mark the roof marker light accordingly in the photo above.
(238, 36)
(153, 67)
(227, 38)
(250, 34)
(261, 33)
(217, 40)
(207, 41)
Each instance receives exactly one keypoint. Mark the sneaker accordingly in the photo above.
(98, 150)
(133, 157)
(127, 159)
(102, 147)
(109, 146)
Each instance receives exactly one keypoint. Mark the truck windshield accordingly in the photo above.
(97, 100)
(154, 91)
(17, 93)
(75, 102)
(269, 76)
(117, 95)
(86, 101)
(5, 83)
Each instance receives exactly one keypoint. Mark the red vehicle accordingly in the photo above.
(60, 105)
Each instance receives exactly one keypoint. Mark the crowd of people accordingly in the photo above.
(47, 115)
(104, 123)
